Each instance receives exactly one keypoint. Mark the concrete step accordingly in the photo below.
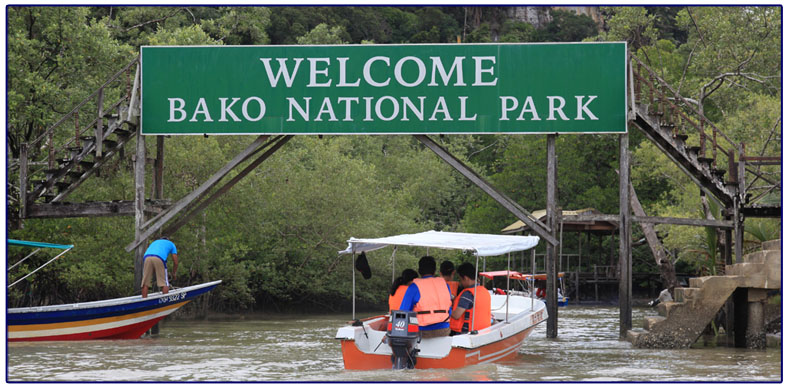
(773, 245)
(684, 294)
(761, 257)
(649, 322)
(744, 269)
(665, 308)
(632, 335)
(698, 282)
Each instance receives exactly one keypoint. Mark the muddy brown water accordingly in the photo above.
(288, 348)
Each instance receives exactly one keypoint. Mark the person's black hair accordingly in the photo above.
(447, 267)
(407, 276)
(467, 269)
(427, 265)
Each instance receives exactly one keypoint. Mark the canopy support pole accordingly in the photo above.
(353, 270)
(508, 266)
(475, 285)
(533, 279)
(393, 269)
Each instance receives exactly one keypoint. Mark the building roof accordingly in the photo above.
(572, 226)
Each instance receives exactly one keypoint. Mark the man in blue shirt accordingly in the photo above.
(155, 260)
(430, 298)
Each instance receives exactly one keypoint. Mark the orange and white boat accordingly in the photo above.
(365, 342)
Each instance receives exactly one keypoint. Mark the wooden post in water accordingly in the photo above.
(550, 257)
(625, 241)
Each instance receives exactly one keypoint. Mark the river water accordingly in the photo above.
(288, 348)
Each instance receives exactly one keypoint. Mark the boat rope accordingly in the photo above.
(36, 270)
(26, 257)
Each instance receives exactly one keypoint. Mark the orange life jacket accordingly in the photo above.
(454, 287)
(434, 301)
(481, 303)
(396, 300)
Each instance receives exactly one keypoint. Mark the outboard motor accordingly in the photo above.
(403, 334)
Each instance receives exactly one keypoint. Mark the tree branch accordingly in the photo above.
(153, 21)
(700, 35)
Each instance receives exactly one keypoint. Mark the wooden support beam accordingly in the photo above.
(721, 224)
(738, 231)
(182, 221)
(684, 221)
(133, 113)
(665, 265)
(625, 240)
(553, 214)
(93, 209)
(185, 201)
(139, 208)
(158, 169)
(523, 215)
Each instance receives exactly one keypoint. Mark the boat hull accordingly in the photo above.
(363, 348)
(122, 318)
(500, 351)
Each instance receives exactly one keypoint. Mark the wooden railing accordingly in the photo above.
(66, 134)
(685, 117)
(679, 112)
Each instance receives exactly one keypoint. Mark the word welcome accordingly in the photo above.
(319, 72)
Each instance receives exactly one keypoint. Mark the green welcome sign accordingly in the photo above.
(385, 89)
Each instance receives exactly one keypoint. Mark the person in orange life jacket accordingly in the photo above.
(430, 298)
(155, 260)
(447, 272)
(399, 287)
(471, 298)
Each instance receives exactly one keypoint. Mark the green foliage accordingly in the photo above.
(566, 26)
(190, 35)
(56, 57)
(239, 25)
(516, 31)
(480, 35)
(322, 34)
(631, 24)
(762, 229)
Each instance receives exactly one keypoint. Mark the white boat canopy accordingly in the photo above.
(478, 244)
